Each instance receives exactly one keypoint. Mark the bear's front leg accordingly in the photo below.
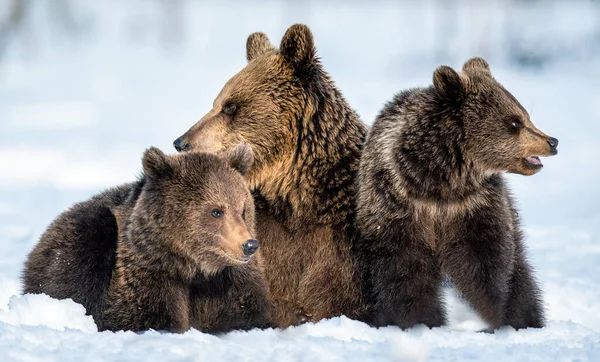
(477, 252)
(138, 302)
(524, 306)
(250, 296)
(237, 298)
(405, 279)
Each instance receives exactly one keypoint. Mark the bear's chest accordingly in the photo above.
(441, 224)
(433, 224)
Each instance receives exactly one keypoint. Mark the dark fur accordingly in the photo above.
(76, 255)
(307, 143)
(168, 271)
(432, 201)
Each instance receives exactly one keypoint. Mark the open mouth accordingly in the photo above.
(533, 162)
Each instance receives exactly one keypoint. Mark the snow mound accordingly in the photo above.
(8, 288)
(41, 310)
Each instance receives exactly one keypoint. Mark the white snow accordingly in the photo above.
(76, 113)
(41, 310)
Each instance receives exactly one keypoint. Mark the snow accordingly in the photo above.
(76, 113)
(41, 310)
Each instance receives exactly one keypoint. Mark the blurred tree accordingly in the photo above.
(19, 19)
(13, 21)
(174, 22)
(16, 19)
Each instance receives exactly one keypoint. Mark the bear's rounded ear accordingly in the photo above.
(155, 163)
(240, 158)
(298, 46)
(477, 65)
(257, 44)
(449, 84)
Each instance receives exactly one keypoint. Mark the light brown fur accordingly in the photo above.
(306, 141)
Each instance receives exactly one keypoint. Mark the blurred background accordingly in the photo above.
(86, 86)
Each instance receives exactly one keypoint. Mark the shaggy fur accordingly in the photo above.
(432, 201)
(178, 262)
(76, 255)
(307, 142)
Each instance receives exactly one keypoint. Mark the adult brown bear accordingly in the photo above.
(307, 143)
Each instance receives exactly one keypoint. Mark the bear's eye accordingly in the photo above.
(230, 109)
(216, 213)
(515, 123)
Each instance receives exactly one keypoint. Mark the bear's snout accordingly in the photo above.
(180, 145)
(250, 247)
(553, 143)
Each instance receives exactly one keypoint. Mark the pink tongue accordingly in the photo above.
(534, 160)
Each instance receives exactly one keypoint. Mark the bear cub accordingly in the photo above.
(184, 255)
(432, 202)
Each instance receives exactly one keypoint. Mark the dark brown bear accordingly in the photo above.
(307, 142)
(183, 246)
(432, 201)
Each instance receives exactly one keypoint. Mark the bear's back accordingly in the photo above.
(76, 254)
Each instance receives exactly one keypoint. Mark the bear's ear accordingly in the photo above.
(449, 84)
(240, 158)
(155, 163)
(477, 65)
(298, 46)
(257, 44)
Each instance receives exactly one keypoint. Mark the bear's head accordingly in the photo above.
(262, 105)
(500, 136)
(196, 208)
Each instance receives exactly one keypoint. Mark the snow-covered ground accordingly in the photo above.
(76, 114)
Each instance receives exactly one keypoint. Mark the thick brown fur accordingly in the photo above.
(307, 142)
(179, 261)
(432, 201)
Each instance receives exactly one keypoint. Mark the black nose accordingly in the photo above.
(180, 145)
(250, 247)
(553, 142)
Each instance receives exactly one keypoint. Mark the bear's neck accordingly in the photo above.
(316, 185)
(432, 156)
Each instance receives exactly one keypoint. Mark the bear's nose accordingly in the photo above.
(250, 247)
(180, 145)
(553, 142)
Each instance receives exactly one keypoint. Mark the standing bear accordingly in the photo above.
(432, 201)
(307, 143)
(184, 255)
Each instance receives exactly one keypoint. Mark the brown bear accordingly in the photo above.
(183, 246)
(432, 201)
(307, 143)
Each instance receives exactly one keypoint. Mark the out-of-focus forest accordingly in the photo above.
(87, 85)
(494, 28)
